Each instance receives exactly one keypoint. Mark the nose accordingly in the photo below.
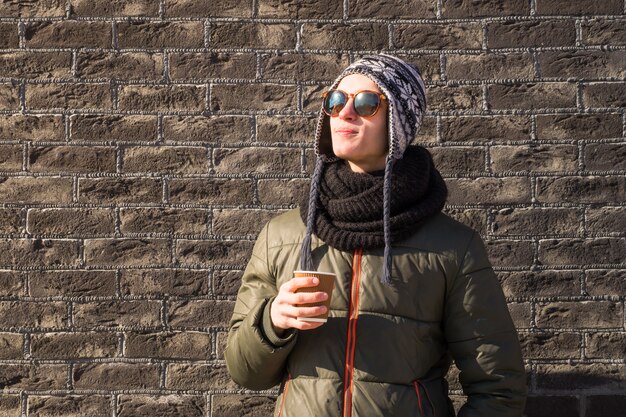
(348, 112)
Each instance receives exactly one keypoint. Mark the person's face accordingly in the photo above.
(362, 141)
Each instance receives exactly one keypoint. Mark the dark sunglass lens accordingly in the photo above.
(366, 103)
(334, 102)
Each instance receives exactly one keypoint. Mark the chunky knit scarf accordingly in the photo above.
(350, 210)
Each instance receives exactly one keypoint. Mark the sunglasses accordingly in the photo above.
(365, 103)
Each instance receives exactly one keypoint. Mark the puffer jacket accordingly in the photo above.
(384, 350)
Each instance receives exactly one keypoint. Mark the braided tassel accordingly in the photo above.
(306, 256)
(386, 278)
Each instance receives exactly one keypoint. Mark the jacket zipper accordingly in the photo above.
(418, 384)
(282, 403)
(351, 340)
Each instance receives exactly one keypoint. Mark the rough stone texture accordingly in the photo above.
(393, 9)
(488, 190)
(108, 8)
(108, 376)
(71, 283)
(604, 282)
(298, 66)
(44, 8)
(69, 406)
(209, 253)
(113, 128)
(591, 126)
(454, 160)
(163, 220)
(203, 66)
(120, 190)
(472, 128)
(543, 345)
(590, 189)
(226, 282)
(582, 377)
(606, 220)
(551, 221)
(199, 314)
(127, 252)
(240, 222)
(214, 191)
(510, 252)
(11, 346)
(226, 97)
(248, 160)
(9, 97)
(207, 377)
(533, 158)
(437, 36)
(474, 218)
(162, 98)
(33, 376)
(11, 157)
(196, 8)
(252, 35)
(139, 34)
(11, 284)
(163, 405)
(9, 35)
(231, 405)
(489, 66)
(10, 221)
(469, 8)
(34, 128)
(68, 34)
(333, 36)
(579, 314)
(606, 345)
(285, 129)
(542, 33)
(540, 283)
(68, 345)
(582, 64)
(161, 282)
(301, 9)
(210, 130)
(521, 315)
(605, 156)
(35, 65)
(10, 405)
(603, 32)
(604, 94)
(456, 98)
(582, 251)
(282, 192)
(125, 66)
(22, 253)
(117, 314)
(68, 96)
(532, 96)
(578, 7)
(165, 159)
(71, 222)
(172, 345)
(66, 159)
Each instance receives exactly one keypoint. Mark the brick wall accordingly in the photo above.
(143, 144)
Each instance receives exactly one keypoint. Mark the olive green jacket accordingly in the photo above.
(385, 349)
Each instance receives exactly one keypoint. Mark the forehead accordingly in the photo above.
(357, 82)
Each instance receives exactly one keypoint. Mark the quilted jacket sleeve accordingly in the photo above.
(483, 339)
(255, 355)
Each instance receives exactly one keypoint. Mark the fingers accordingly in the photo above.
(293, 284)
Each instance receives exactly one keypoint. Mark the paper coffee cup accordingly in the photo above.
(326, 284)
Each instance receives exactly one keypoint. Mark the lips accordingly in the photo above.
(344, 131)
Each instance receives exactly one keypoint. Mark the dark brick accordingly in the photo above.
(579, 377)
(162, 97)
(550, 345)
(11, 346)
(353, 36)
(258, 97)
(38, 252)
(209, 253)
(213, 191)
(529, 34)
(79, 159)
(33, 128)
(533, 158)
(473, 128)
(552, 405)
(233, 405)
(165, 159)
(521, 314)
(578, 7)
(219, 8)
(510, 252)
(605, 156)
(213, 65)
(161, 406)
(226, 282)
(590, 189)
(33, 377)
(300, 67)
(455, 98)
(553, 221)
(11, 157)
(10, 283)
(603, 32)
(579, 314)
(164, 220)
(71, 283)
(71, 222)
(127, 252)
(172, 345)
(73, 345)
(10, 220)
(199, 313)
(540, 283)
(120, 190)
(301, 9)
(429, 65)
(282, 192)
(108, 8)
(9, 97)
(604, 94)
(36, 64)
(192, 376)
(438, 36)
(285, 129)
(582, 64)
(252, 35)
(9, 35)
(469, 8)
(605, 281)
(578, 126)
(487, 190)
(428, 132)
(117, 314)
(473, 218)
(35, 190)
(125, 66)
(453, 160)
(240, 222)
(606, 219)
(113, 128)
(222, 338)
(139, 34)
(582, 251)
(606, 346)
(33, 314)
(116, 376)
(312, 97)
(214, 130)
(392, 9)
(257, 160)
(490, 66)
(162, 282)
(68, 34)
(10, 405)
(68, 96)
(605, 405)
(69, 406)
(20, 8)
(532, 96)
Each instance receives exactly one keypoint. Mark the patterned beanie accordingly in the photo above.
(404, 88)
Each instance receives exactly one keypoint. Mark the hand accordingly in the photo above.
(284, 310)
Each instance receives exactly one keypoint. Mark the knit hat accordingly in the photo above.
(403, 86)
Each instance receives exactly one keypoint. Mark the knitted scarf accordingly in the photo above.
(351, 205)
